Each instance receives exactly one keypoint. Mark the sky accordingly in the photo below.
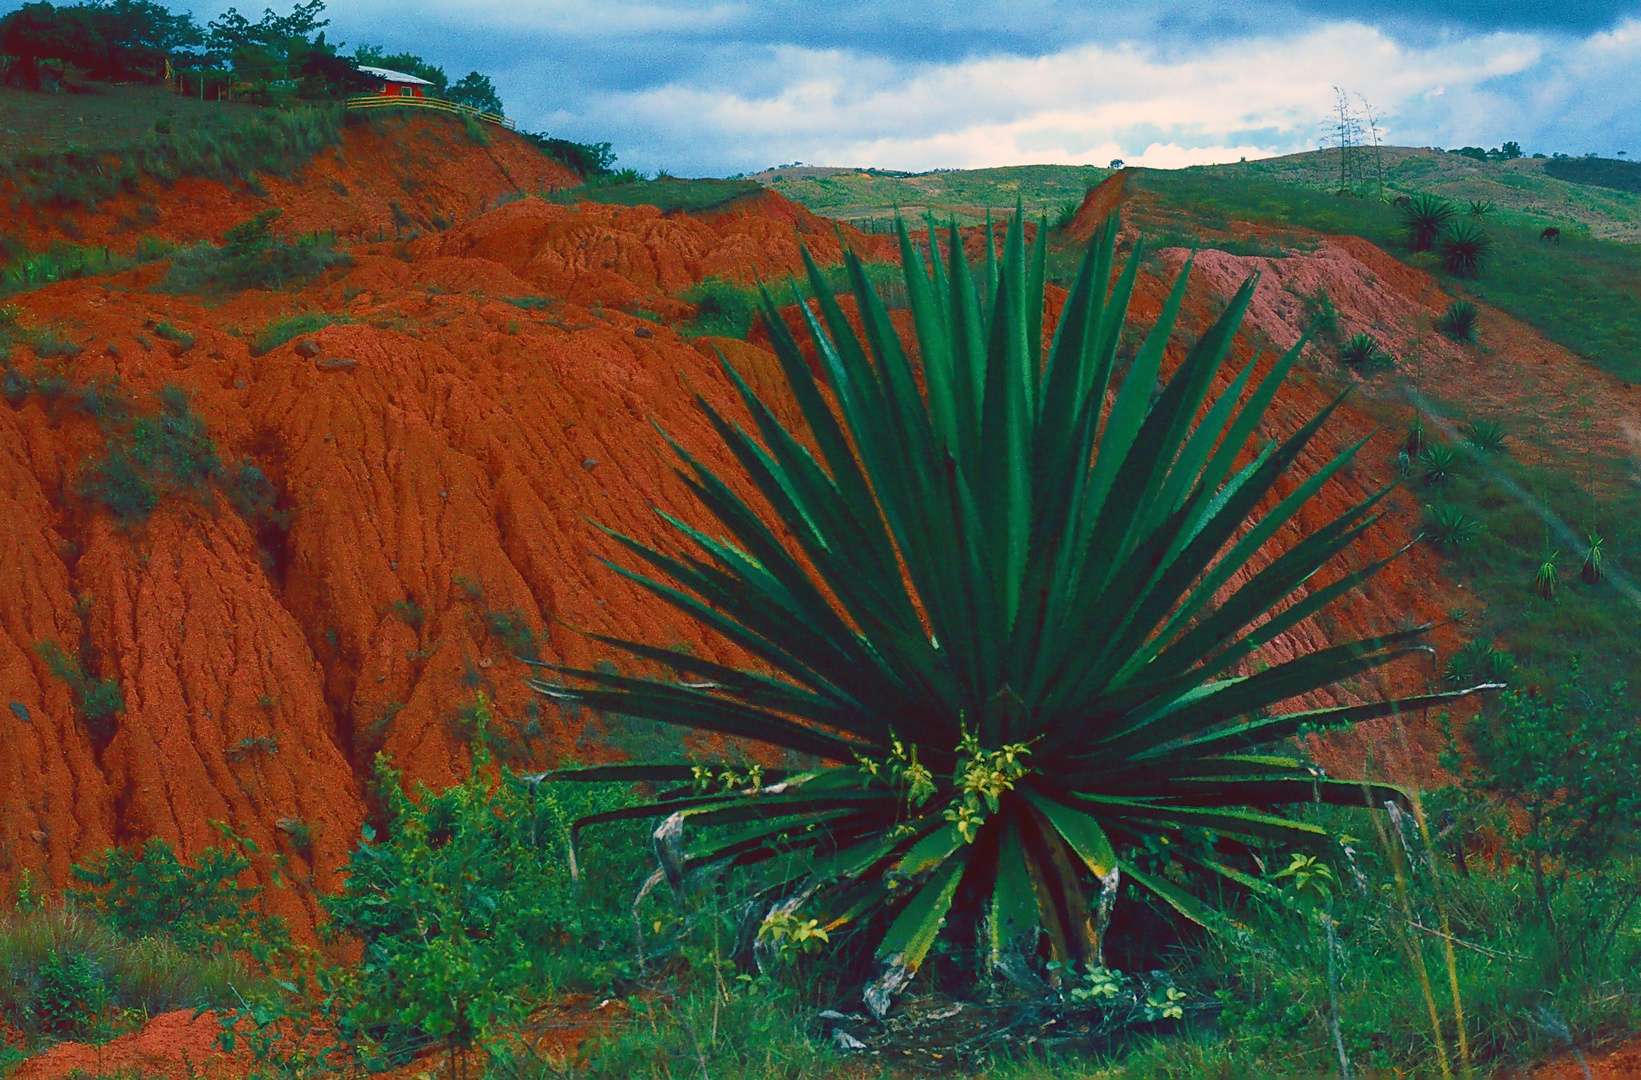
(717, 87)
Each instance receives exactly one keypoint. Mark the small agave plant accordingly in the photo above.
(1010, 609)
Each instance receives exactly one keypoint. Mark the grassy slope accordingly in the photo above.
(111, 118)
(858, 196)
(1521, 190)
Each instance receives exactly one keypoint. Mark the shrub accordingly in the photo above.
(1067, 213)
(251, 257)
(1424, 217)
(1463, 248)
(169, 452)
(99, 701)
(202, 907)
(468, 902)
(182, 339)
(71, 993)
(722, 308)
(1485, 436)
(278, 331)
(1569, 761)
(1037, 721)
(1449, 526)
(59, 965)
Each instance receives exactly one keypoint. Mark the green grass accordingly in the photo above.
(145, 976)
(278, 331)
(1584, 293)
(671, 196)
(869, 198)
(725, 309)
(264, 141)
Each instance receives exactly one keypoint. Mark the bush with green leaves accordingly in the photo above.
(1567, 760)
(170, 452)
(99, 701)
(252, 256)
(149, 891)
(71, 993)
(722, 308)
(470, 903)
(994, 610)
(278, 331)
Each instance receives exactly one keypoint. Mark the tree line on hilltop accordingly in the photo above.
(271, 61)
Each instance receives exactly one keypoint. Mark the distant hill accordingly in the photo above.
(1568, 193)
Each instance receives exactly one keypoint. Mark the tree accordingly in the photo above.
(475, 90)
(1508, 152)
(998, 616)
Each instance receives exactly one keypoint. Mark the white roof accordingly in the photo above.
(389, 75)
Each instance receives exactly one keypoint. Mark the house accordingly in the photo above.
(396, 83)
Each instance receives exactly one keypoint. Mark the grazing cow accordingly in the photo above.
(1552, 233)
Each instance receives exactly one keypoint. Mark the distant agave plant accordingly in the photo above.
(1595, 560)
(1480, 208)
(1424, 217)
(1362, 353)
(1485, 436)
(1008, 608)
(1437, 461)
(1547, 579)
(1463, 248)
(1480, 662)
(1459, 321)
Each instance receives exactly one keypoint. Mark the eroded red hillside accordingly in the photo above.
(438, 455)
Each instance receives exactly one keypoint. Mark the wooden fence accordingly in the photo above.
(389, 101)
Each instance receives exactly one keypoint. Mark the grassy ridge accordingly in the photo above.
(1584, 294)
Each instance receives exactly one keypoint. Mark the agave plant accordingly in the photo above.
(1437, 461)
(1480, 208)
(1547, 579)
(1484, 436)
(1362, 353)
(1068, 213)
(1006, 606)
(1595, 560)
(1424, 217)
(1447, 526)
(1459, 321)
(1463, 248)
(1479, 661)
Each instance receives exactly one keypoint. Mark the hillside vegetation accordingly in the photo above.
(1534, 192)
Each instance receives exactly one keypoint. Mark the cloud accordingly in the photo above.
(1084, 104)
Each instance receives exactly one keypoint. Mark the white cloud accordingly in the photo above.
(1087, 104)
